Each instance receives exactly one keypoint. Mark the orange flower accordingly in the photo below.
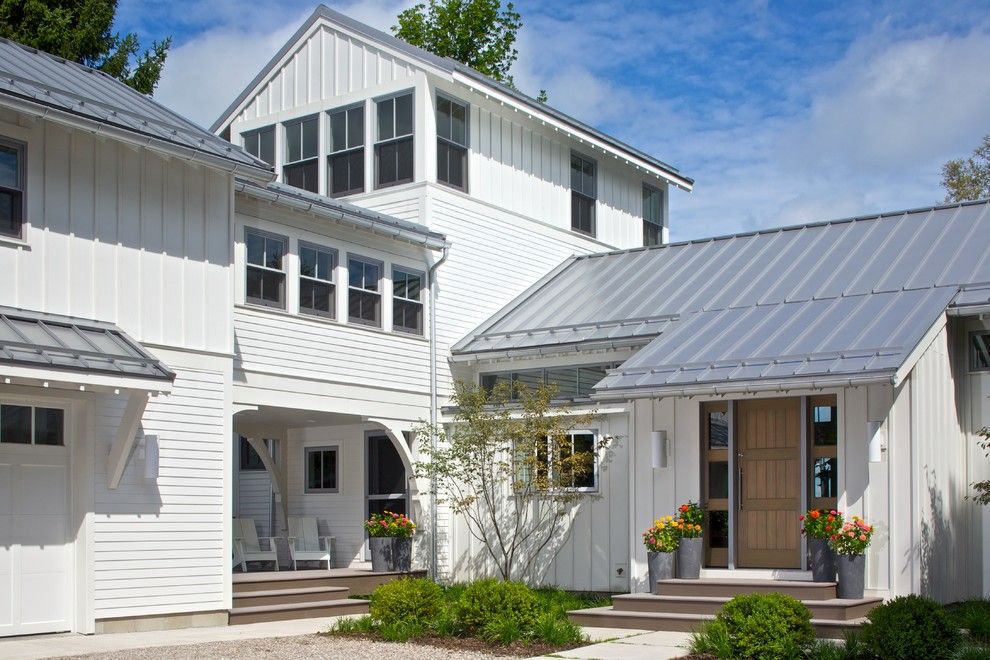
(684, 508)
(815, 515)
(831, 518)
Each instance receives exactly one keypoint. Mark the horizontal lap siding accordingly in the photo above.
(158, 545)
(254, 499)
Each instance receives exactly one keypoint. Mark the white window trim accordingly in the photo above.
(335, 256)
(380, 292)
(420, 302)
(21, 148)
(320, 491)
(284, 271)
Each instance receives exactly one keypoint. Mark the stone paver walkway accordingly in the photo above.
(630, 645)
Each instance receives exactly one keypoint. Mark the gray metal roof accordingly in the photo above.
(44, 80)
(444, 64)
(851, 296)
(50, 341)
(344, 212)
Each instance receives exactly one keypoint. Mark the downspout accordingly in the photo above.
(434, 519)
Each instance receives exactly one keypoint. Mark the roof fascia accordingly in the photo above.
(45, 376)
(926, 341)
(747, 387)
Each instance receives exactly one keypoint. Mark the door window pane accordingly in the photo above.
(825, 425)
(718, 480)
(718, 529)
(718, 430)
(49, 426)
(826, 478)
(15, 424)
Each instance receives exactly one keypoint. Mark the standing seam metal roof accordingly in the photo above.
(851, 296)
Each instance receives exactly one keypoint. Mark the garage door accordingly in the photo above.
(35, 553)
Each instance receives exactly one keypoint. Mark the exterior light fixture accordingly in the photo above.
(659, 447)
(876, 434)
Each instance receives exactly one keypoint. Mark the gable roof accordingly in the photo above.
(34, 81)
(445, 65)
(851, 298)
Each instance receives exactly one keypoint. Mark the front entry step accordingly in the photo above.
(289, 596)
(834, 609)
(734, 587)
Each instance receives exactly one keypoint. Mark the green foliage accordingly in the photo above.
(479, 33)
(416, 600)
(559, 602)
(401, 631)
(489, 600)
(82, 31)
(765, 626)
(974, 616)
(389, 525)
(689, 519)
(909, 627)
(825, 650)
(502, 629)
(982, 488)
(359, 626)
(973, 653)
(966, 179)
(557, 630)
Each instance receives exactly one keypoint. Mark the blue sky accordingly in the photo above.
(783, 112)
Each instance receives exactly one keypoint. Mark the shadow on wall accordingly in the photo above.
(947, 572)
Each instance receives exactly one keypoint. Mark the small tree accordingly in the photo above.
(510, 467)
(968, 179)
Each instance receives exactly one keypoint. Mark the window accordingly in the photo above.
(364, 300)
(394, 142)
(30, 425)
(386, 482)
(980, 351)
(11, 188)
(265, 274)
(652, 215)
(321, 469)
(407, 304)
(571, 382)
(261, 143)
(584, 192)
(715, 480)
(452, 145)
(576, 466)
(345, 164)
(823, 420)
(250, 460)
(317, 293)
(301, 165)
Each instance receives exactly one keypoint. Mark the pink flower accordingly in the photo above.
(862, 537)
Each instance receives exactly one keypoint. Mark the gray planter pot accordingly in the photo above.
(821, 560)
(390, 554)
(661, 568)
(689, 556)
(852, 575)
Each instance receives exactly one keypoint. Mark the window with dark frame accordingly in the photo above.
(452, 143)
(300, 167)
(265, 271)
(652, 216)
(250, 460)
(11, 188)
(345, 163)
(260, 143)
(407, 301)
(321, 469)
(584, 193)
(32, 425)
(394, 141)
(577, 450)
(823, 420)
(980, 351)
(317, 291)
(571, 382)
(715, 480)
(364, 296)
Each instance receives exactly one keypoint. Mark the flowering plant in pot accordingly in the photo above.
(661, 541)
(818, 525)
(391, 541)
(690, 549)
(849, 543)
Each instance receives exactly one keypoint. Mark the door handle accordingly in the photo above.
(739, 481)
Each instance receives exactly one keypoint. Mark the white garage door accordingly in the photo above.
(35, 553)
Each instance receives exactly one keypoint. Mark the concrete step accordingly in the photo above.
(360, 582)
(607, 617)
(722, 588)
(287, 596)
(835, 609)
(289, 611)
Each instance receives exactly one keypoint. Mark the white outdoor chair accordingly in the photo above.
(306, 544)
(251, 548)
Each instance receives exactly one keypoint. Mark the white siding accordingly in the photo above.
(254, 498)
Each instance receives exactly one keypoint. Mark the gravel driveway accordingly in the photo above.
(302, 646)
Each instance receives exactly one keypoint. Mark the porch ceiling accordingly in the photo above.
(273, 416)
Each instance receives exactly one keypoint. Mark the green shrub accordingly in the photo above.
(485, 601)
(909, 627)
(503, 629)
(349, 626)
(401, 631)
(825, 650)
(407, 601)
(557, 631)
(973, 653)
(765, 626)
(974, 616)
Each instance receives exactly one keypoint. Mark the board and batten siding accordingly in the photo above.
(121, 235)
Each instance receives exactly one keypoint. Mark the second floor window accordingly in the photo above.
(11, 189)
(394, 141)
(316, 286)
(301, 165)
(980, 351)
(407, 303)
(364, 296)
(452, 146)
(584, 193)
(652, 215)
(261, 143)
(346, 160)
(265, 270)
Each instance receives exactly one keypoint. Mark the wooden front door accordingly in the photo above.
(768, 446)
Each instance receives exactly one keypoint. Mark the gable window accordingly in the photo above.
(980, 351)
(452, 145)
(261, 143)
(30, 425)
(407, 303)
(584, 192)
(265, 271)
(394, 141)
(250, 460)
(321, 469)
(364, 297)
(301, 166)
(652, 215)
(317, 292)
(345, 164)
(11, 188)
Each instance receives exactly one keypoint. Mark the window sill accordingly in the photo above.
(12, 242)
(326, 320)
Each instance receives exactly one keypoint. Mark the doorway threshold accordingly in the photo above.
(790, 574)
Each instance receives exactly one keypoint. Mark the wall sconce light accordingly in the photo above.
(876, 433)
(151, 457)
(659, 442)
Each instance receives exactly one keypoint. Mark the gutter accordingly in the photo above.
(434, 518)
(746, 388)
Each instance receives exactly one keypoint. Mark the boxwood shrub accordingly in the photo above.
(766, 626)
(407, 601)
(509, 605)
(909, 627)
